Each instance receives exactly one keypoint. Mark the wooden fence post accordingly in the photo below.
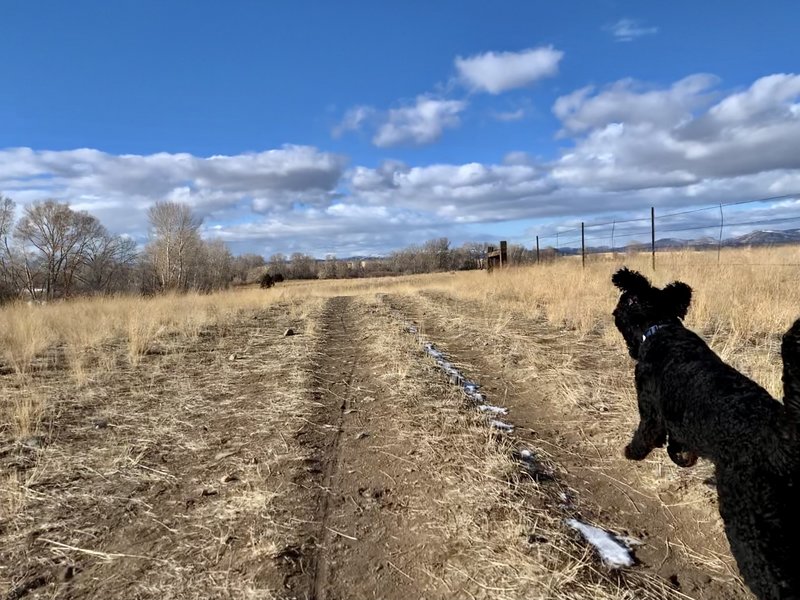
(537, 249)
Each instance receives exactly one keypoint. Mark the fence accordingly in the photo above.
(714, 227)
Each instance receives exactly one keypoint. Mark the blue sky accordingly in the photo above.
(358, 127)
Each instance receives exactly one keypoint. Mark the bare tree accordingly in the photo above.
(277, 264)
(302, 266)
(9, 280)
(108, 263)
(53, 240)
(244, 266)
(174, 238)
(218, 265)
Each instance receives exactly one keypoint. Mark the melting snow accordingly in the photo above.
(495, 410)
(613, 552)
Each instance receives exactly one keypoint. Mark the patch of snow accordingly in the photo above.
(501, 425)
(612, 551)
(495, 410)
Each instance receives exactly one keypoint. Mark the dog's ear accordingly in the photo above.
(630, 281)
(677, 296)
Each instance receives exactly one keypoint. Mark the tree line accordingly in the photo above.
(53, 251)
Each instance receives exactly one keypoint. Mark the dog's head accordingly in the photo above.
(642, 305)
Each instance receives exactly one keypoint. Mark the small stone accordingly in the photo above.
(232, 357)
(362, 435)
(288, 332)
(100, 423)
(209, 492)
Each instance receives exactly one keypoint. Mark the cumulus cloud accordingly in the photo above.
(471, 192)
(672, 138)
(627, 30)
(119, 188)
(624, 146)
(631, 102)
(497, 72)
(419, 124)
(416, 124)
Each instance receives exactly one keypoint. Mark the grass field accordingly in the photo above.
(183, 447)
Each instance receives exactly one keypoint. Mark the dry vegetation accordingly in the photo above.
(156, 374)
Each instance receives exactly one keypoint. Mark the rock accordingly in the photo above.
(100, 423)
(288, 332)
(209, 492)
(232, 357)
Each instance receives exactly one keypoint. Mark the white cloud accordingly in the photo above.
(119, 188)
(497, 72)
(631, 102)
(672, 138)
(353, 120)
(471, 192)
(628, 145)
(627, 30)
(419, 124)
(509, 115)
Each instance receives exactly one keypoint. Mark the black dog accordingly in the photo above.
(700, 406)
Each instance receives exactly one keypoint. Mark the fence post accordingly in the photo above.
(721, 225)
(583, 248)
(653, 234)
(537, 249)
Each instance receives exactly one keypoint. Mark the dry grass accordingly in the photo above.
(486, 507)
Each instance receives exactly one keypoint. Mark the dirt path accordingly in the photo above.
(361, 542)
(671, 510)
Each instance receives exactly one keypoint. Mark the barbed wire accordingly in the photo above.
(567, 238)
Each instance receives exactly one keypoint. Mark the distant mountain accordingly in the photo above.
(765, 238)
(754, 238)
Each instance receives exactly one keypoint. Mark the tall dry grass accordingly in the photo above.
(741, 306)
(78, 334)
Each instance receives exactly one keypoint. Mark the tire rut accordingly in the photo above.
(333, 383)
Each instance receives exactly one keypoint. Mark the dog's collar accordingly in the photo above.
(651, 331)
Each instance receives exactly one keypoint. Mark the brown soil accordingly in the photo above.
(339, 464)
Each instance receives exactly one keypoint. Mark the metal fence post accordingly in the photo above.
(537, 249)
(721, 225)
(653, 234)
(583, 248)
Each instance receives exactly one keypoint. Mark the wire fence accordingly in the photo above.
(771, 221)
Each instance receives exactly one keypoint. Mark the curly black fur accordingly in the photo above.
(700, 406)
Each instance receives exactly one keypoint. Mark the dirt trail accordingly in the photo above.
(362, 538)
(678, 523)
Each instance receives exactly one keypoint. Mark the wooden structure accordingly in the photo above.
(497, 257)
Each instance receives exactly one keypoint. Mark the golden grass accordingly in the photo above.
(741, 306)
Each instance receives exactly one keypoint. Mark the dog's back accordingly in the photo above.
(709, 406)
